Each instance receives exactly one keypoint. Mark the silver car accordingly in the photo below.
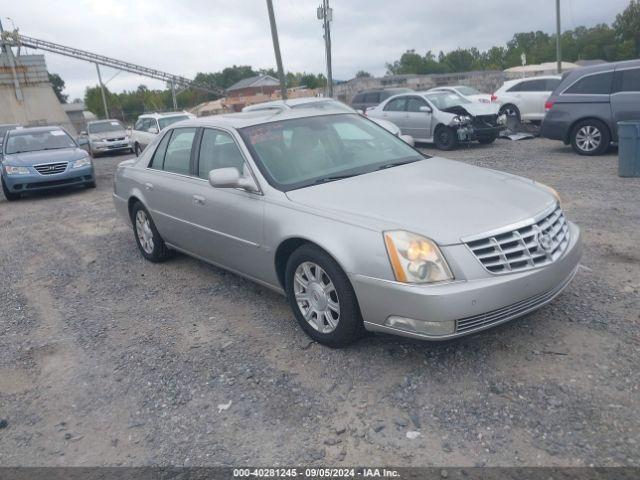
(444, 118)
(359, 230)
(107, 136)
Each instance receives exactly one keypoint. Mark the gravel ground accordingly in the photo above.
(106, 359)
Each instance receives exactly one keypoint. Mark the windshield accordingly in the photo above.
(104, 127)
(324, 105)
(444, 100)
(26, 141)
(305, 151)
(166, 121)
(469, 91)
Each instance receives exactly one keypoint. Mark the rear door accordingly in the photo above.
(532, 95)
(395, 110)
(625, 95)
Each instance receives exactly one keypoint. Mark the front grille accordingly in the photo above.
(115, 139)
(484, 121)
(509, 312)
(51, 168)
(536, 244)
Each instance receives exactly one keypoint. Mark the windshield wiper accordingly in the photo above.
(396, 164)
(55, 148)
(333, 178)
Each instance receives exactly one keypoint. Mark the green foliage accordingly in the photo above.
(58, 87)
(363, 74)
(621, 41)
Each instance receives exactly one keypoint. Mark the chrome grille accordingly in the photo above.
(115, 139)
(537, 243)
(51, 168)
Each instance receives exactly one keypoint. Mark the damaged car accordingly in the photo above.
(446, 119)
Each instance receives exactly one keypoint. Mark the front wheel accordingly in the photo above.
(445, 138)
(322, 298)
(487, 140)
(9, 195)
(149, 241)
(590, 137)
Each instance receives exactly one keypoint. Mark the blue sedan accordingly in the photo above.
(42, 158)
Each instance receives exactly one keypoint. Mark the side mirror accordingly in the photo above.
(424, 108)
(153, 130)
(230, 178)
(407, 139)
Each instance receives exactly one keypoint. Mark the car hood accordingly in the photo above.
(28, 159)
(444, 200)
(474, 109)
(103, 135)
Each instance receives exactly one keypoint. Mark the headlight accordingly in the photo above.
(11, 170)
(83, 162)
(416, 259)
(462, 119)
(551, 190)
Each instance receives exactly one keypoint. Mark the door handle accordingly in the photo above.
(198, 200)
(148, 186)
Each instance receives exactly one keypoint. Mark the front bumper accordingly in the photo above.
(473, 305)
(34, 181)
(103, 147)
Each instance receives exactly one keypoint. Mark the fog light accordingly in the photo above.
(434, 329)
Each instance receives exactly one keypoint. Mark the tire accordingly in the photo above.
(590, 137)
(10, 196)
(487, 140)
(156, 251)
(136, 149)
(90, 184)
(327, 288)
(510, 110)
(445, 138)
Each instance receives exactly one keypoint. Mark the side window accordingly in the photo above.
(372, 98)
(177, 159)
(517, 87)
(396, 105)
(218, 150)
(414, 104)
(531, 86)
(598, 84)
(158, 156)
(138, 125)
(627, 80)
(146, 124)
(359, 98)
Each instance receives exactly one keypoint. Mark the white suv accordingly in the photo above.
(524, 98)
(150, 124)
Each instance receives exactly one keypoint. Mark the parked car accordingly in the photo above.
(42, 158)
(322, 103)
(444, 118)
(351, 223)
(107, 136)
(150, 124)
(4, 128)
(465, 91)
(524, 98)
(371, 98)
(584, 109)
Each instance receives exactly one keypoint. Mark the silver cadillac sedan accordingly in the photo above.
(359, 230)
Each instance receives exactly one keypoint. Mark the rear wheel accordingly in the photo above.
(322, 298)
(445, 138)
(149, 241)
(10, 196)
(590, 137)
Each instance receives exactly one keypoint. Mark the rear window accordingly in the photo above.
(597, 84)
(372, 98)
(359, 98)
(627, 80)
(539, 85)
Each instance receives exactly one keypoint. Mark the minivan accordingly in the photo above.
(584, 109)
(371, 98)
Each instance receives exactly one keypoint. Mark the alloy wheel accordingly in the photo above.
(588, 138)
(144, 232)
(316, 297)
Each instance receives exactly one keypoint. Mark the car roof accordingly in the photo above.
(288, 103)
(103, 121)
(257, 117)
(48, 128)
(163, 114)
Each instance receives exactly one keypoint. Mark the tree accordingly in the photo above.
(58, 86)
(627, 28)
(363, 74)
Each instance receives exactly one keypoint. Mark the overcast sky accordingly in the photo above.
(189, 36)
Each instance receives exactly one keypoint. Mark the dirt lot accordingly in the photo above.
(106, 359)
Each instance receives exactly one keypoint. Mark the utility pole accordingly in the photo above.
(325, 13)
(173, 96)
(558, 46)
(104, 97)
(276, 49)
